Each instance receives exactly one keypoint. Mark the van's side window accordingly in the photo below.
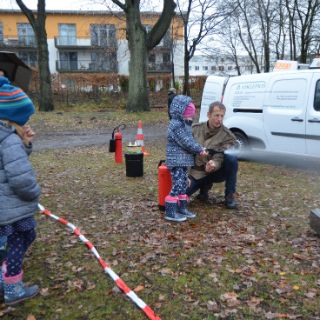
(316, 103)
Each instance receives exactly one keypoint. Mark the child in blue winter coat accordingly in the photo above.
(181, 148)
(19, 190)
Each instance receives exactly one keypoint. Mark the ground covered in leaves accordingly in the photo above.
(259, 262)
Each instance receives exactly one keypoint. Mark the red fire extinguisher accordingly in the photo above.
(164, 184)
(118, 144)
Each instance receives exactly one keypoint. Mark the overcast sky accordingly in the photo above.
(78, 4)
(56, 4)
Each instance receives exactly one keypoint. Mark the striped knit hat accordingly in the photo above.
(15, 105)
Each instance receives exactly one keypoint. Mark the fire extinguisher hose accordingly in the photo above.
(119, 282)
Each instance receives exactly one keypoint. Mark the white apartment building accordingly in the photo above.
(201, 65)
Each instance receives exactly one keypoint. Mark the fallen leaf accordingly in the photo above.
(311, 294)
(253, 302)
(231, 299)
(44, 292)
(138, 288)
(165, 271)
(212, 306)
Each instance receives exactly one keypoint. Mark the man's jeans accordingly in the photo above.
(227, 173)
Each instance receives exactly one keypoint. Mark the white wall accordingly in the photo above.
(123, 57)
(178, 59)
(53, 55)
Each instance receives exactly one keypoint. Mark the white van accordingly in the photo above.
(276, 111)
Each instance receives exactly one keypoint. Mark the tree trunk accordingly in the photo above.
(138, 99)
(186, 88)
(266, 57)
(46, 97)
(38, 23)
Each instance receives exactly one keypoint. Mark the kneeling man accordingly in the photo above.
(217, 166)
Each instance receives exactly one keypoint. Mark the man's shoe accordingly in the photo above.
(231, 202)
(203, 197)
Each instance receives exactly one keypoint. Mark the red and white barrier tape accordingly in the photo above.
(119, 282)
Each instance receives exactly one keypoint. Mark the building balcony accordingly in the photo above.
(164, 67)
(26, 42)
(68, 42)
(87, 66)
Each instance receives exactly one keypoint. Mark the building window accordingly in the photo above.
(68, 61)
(205, 68)
(102, 61)
(221, 68)
(26, 35)
(152, 58)
(230, 67)
(166, 57)
(213, 68)
(29, 58)
(103, 35)
(67, 34)
(196, 68)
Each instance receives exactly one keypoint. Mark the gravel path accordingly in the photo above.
(94, 137)
(70, 139)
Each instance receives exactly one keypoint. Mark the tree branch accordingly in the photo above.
(162, 25)
(27, 12)
(120, 4)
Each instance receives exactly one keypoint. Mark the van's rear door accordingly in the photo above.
(313, 117)
(284, 114)
(213, 91)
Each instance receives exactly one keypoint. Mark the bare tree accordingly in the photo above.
(306, 13)
(229, 38)
(247, 28)
(38, 22)
(267, 14)
(273, 29)
(291, 9)
(200, 20)
(282, 27)
(140, 43)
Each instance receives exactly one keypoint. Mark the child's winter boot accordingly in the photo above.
(3, 270)
(171, 210)
(15, 291)
(3, 249)
(182, 208)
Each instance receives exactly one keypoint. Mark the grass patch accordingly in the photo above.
(57, 121)
(258, 262)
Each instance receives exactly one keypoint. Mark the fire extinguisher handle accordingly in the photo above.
(161, 162)
(118, 128)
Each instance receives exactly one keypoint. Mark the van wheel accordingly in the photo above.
(243, 143)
